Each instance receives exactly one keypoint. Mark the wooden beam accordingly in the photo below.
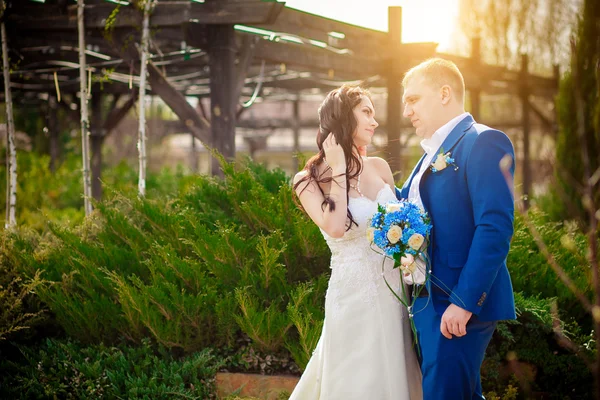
(166, 14)
(547, 122)
(247, 48)
(287, 123)
(486, 75)
(177, 102)
(116, 115)
(114, 101)
(194, 124)
(485, 71)
(242, 12)
(316, 59)
(315, 27)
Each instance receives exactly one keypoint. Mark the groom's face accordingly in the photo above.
(422, 105)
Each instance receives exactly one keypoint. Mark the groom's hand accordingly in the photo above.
(454, 321)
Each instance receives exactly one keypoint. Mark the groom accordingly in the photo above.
(464, 181)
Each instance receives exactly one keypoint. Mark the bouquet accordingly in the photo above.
(401, 229)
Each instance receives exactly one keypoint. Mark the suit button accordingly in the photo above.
(481, 299)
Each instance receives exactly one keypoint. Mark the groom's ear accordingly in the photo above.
(445, 93)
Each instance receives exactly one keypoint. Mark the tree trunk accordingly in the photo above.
(142, 104)
(85, 124)
(11, 156)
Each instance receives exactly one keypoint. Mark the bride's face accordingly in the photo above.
(364, 113)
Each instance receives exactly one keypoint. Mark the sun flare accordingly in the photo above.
(422, 20)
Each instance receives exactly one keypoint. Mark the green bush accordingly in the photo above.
(20, 309)
(528, 345)
(222, 257)
(531, 273)
(67, 369)
(217, 261)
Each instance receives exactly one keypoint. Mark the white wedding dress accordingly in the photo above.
(365, 351)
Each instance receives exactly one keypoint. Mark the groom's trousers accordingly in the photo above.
(450, 367)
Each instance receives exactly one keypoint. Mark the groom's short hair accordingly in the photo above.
(439, 72)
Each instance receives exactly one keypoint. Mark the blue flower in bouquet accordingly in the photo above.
(399, 228)
(377, 220)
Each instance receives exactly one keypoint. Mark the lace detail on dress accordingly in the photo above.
(356, 269)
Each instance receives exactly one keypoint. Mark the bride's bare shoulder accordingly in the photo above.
(320, 171)
(377, 162)
(382, 168)
(299, 176)
(305, 181)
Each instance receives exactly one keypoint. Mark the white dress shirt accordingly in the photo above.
(431, 147)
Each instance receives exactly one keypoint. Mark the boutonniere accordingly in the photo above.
(442, 161)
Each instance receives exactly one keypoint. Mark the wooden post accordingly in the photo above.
(193, 154)
(97, 136)
(11, 150)
(524, 94)
(556, 76)
(85, 124)
(222, 86)
(394, 88)
(475, 90)
(53, 132)
(296, 132)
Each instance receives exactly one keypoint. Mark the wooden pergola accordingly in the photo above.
(223, 49)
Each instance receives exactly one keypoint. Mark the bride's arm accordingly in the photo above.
(332, 219)
(333, 222)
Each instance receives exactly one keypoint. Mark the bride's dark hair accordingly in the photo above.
(336, 115)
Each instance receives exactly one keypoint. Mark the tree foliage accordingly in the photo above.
(585, 62)
(509, 28)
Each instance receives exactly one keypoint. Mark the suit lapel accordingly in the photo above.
(451, 140)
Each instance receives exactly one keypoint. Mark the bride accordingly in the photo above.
(365, 349)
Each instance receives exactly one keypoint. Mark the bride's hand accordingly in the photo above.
(334, 155)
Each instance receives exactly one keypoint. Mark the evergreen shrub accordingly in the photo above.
(217, 261)
(70, 370)
(530, 272)
(222, 258)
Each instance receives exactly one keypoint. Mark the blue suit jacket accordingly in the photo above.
(472, 212)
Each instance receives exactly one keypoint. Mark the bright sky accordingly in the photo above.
(422, 20)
